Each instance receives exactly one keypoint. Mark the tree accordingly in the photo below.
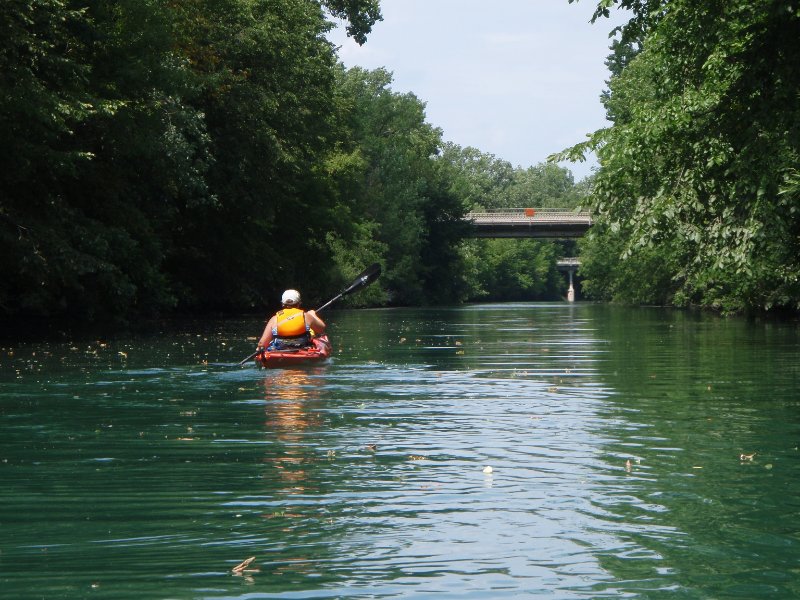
(90, 93)
(361, 15)
(699, 166)
(401, 207)
(544, 185)
(266, 90)
(480, 179)
(159, 155)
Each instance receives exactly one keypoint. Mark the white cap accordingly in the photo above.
(290, 297)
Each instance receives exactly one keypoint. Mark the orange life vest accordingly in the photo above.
(290, 322)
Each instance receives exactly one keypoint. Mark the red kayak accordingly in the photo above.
(281, 359)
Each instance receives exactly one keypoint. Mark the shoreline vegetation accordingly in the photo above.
(166, 161)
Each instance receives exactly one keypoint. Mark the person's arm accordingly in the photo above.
(314, 322)
(266, 337)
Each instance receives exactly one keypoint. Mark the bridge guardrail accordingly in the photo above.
(530, 215)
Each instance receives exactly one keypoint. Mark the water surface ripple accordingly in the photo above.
(507, 450)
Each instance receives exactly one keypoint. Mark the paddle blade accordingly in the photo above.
(366, 277)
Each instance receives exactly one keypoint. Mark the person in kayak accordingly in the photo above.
(291, 327)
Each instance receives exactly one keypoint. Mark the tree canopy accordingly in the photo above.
(697, 194)
(198, 156)
(160, 155)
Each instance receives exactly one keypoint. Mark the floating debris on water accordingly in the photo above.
(747, 457)
(487, 469)
(242, 566)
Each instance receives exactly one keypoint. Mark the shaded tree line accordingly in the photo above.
(160, 155)
(697, 199)
(196, 156)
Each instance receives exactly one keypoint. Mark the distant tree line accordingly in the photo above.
(697, 199)
(184, 156)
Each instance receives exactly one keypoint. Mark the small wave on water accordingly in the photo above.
(487, 452)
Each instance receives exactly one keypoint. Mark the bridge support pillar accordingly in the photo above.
(571, 290)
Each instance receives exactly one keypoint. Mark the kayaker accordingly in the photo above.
(291, 327)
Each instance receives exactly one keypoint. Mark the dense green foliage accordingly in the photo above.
(197, 156)
(193, 155)
(400, 207)
(160, 154)
(698, 196)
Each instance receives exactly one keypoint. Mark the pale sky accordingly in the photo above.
(519, 79)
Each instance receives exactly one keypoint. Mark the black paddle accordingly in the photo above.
(366, 277)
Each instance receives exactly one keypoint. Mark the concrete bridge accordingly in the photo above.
(534, 223)
(530, 223)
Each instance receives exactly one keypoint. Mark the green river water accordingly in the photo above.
(634, 453)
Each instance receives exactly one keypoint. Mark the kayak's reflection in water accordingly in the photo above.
(290, 398)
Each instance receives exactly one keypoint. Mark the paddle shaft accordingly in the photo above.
(329, 302)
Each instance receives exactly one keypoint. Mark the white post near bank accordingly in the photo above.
(571, 290)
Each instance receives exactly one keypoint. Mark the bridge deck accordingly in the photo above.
(570, 263)
(530, 222)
